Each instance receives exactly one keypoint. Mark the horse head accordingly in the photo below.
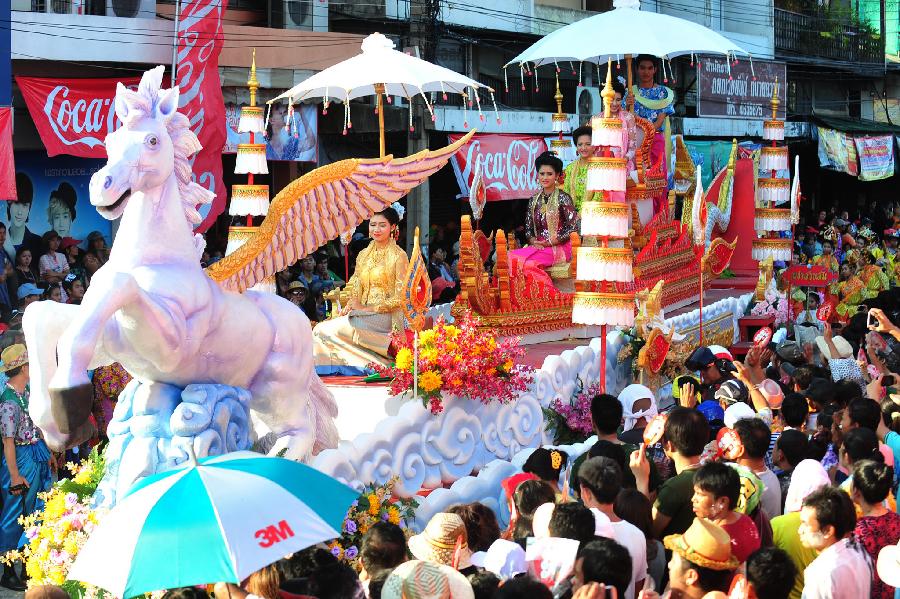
(153, 143)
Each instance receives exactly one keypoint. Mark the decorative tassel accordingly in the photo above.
(505, 81)
(444, 92)
(494, 103)
(618, 64)
(478, 102)
(557, 67)
(268, 114)
(752, 70)
(537, 86)
(428, 105)
(572, 66)
(579, 73)
(522, 75)
(411, 128)
(692, 59)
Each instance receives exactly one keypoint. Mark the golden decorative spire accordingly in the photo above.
(558, 96)
(775, 101)
(252, 82)
(608, 94)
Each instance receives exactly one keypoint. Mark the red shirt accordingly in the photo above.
(744, 537)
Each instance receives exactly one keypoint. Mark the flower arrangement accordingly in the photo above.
(458, 359)
(57, 532)
(570, 422)
(375, 504)
(774, 303)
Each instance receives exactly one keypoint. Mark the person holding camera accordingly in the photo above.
(27, 460)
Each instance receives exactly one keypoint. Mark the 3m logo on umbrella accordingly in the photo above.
(274, 533)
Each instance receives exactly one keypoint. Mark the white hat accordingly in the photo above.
(540, 521)
(628, 397)
(426, 580)
(889, 565)
(504, 558)
(845, 350)
(602, 524)
(737, 411)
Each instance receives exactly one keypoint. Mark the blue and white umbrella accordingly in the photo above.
(218, 520)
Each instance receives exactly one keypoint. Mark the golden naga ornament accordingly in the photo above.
(417, 289)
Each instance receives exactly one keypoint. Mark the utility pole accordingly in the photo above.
(423, 15)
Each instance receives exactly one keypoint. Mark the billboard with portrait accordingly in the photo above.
(53, 194)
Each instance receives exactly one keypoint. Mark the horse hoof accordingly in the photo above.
(71, 407)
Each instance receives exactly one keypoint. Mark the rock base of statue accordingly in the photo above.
(155, 425)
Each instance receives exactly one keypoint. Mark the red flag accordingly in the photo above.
(200, 39)
(7, 163)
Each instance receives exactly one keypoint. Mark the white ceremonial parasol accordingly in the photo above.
(381, 70)
(626, 30)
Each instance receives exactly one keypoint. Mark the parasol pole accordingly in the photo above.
(702, 260)
(379, 94)
(415, 364)
(630, 101)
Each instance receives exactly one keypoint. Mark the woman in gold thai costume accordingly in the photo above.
(347, 343)
(850, 291)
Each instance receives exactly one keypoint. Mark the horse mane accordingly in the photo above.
(144, 102)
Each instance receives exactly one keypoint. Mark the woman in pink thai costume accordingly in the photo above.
(551, 217)
(654, 103)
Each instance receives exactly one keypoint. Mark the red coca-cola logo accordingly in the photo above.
(80, 120)
(506, 163)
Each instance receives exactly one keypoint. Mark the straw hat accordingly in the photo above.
(845, 350)
(705, 544)
(437, 543)
(889, 565)
(425, 580)
(13, 356)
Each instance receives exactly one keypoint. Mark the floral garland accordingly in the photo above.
(458, 359)
(58, 532)
(570, 422)
(375, 504)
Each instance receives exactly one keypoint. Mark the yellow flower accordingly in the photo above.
(429, 355)
(426, 337)
(83, 477)
(430, 381)
(404, 359)
(507, 366)
(492, 344)
(394, 515)
(363, 527)
(374, 504)
(33, 568)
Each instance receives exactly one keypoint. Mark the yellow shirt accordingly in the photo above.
(378, 279)
(785, 535)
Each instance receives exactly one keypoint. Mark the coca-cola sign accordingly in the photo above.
(506, 162)
(73, 116)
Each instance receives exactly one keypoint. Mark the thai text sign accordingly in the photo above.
(876, 157)
(739, 92)
(803, 275)
(507, 164)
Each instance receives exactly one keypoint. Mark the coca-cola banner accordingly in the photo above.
(200, 39)
(73, 116)
(507, 164)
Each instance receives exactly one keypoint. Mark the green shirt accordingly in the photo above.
(674, 501)
(786, 536)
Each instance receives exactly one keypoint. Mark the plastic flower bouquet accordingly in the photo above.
(57, 532)
(375, 504)
(570, 421)
(461, 360)
(775, 304)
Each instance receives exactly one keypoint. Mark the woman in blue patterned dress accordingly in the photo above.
(655, 103)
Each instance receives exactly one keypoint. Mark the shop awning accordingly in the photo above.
(856, 126)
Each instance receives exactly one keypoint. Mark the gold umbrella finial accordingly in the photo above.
(775, 101)
(558, 96)
(608, 94)
(252, 82)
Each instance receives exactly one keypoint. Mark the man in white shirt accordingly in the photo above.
(843, 569)
(601, 480)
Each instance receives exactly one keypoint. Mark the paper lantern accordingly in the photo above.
(772, 219)
(605, 219)
(780, 250)
(560, 122)
(251, 159)
(606, 174)
(773, 130)
(251, 120)
(563, 148)
(773, 159)
(593, 308)
(773, 190)
(606, 132)
(250, 200)
(605, 264)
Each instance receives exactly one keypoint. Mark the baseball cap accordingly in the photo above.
(700, 357)
(721, 352)
(27, 289)
(790, 351)
(738, 411)
(732, 391)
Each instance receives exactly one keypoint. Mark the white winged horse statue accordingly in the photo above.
(153, 309)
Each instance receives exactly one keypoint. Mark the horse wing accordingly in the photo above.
(320, 205)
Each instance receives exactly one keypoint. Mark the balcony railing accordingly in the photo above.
(825, 38)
